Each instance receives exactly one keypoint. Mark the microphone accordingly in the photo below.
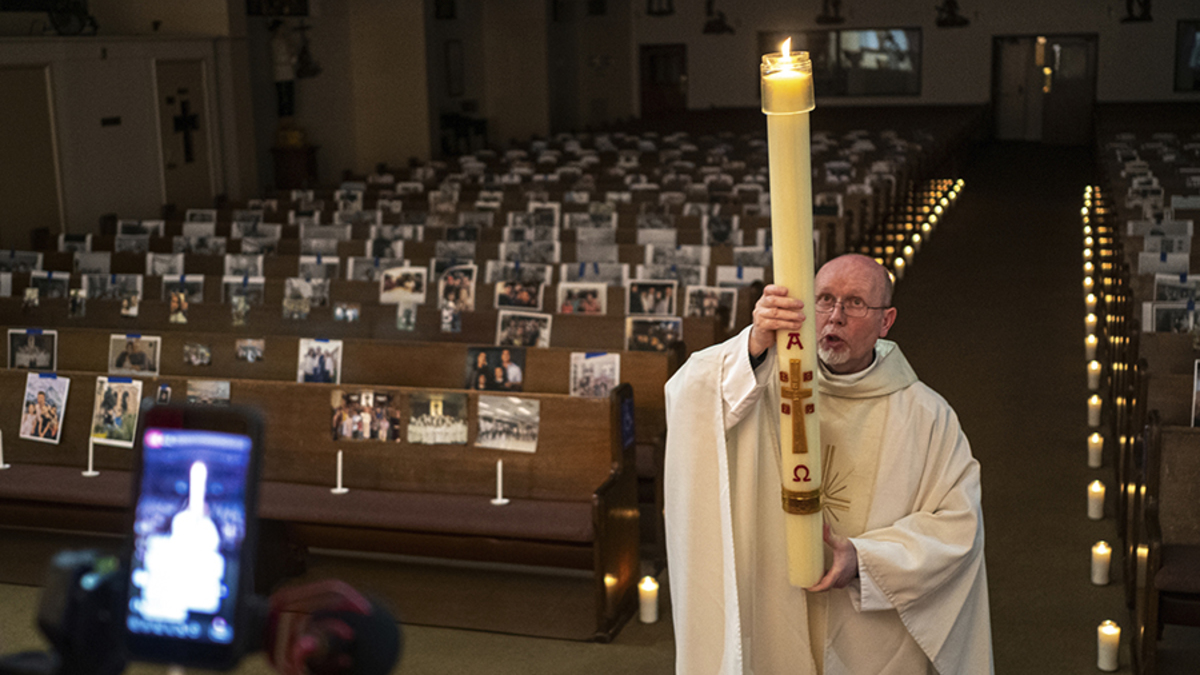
(328, 628)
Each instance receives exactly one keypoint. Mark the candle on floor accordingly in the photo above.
(1089, 323)
(2, 464)
(1109, 640)
(1087, 254)
(1088, 285)
(499, 500)
(1090, 301)
(340, 489)
(1093, 372)
(898, 265)
(1095, 451)
(1096, 500)
(908, 254)
(648, 600)
(1089, 347)
(1101, 559)
(1088, 268)
(1094, 404)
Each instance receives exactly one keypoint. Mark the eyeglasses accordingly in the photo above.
(853, 306)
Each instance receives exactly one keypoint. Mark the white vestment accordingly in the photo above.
(904, 489)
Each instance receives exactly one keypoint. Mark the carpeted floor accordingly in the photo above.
(991, 316)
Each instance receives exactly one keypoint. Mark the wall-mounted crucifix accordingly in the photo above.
(185, 123)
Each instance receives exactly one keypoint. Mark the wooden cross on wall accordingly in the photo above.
(185, 123)
(796, 393)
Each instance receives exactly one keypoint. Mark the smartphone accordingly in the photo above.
(191, 559)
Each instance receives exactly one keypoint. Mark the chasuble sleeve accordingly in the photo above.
(741, 384)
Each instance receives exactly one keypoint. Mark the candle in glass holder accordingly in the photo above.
(1089, 347)
(1096, 500)
(1093, 374)
(1101, 559)
(1109, 641)
(1095, 451)
(1094, 404)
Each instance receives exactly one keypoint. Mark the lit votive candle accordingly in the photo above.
(1109, 638)
(916, 240)
(1087, 254)
(648, 600)
(1087, 230)
(1101, 557)
(1089, 347)
(908, 254)
(1088, 285)
(1094, 404)
(1093, 371)
(1090, 300)
(1096, 500)
(898, 265)
(1089, 323)
(1095, 451)
(1088, 268)
(1087, 242)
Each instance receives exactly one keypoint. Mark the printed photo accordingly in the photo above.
(252, 289)
(437, 418)
(650, 297)
(495, 368)
(517, 294)
(582, 298)
(736, 276)
(208, 392)
(319, 267)
(115, 411)
(497, 271)
(655, 221)
(5, 284)
(347, 311)
(610, 274)
(594, 236)
(197, 354)
(111, 286)
(124, 244)
(657, 237)
(594, 375)
(20, 261)
(712, 301)
(652, 334)
(140, 228)
(515, 234)
(164, 264)
(260, 245)
(314, 292)
(362, 268)
(539, 252)
(191, 285)
(242, 265)
(523, 329)
(77, 304)
(200, 216)
(198, 245)
(720, 229)
(686, 275)
(455, 250)
(32, 349)
(133, 354)
(677, 255)
(476, 219)
(508, 423)
(319, 361)
(406, 315)
(43, 407)
(752, 256)
(49, 285)
(580, 221)
(250, 351)
(456, 288)
(177, 307)
(402, 283)
(365, 416)
(99, 262)
(323, 246)
(384, 249)
(1166, 317)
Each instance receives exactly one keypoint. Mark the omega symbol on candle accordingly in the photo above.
(796, 475)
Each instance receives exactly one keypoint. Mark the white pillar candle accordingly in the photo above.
(916, 240)
(1109, 640)
(1089, 323)
(499, 500)
(1101, 559)
(340, 489)
(1087, 254)
(1093, 374)
(898, 265)
(91, 468)
(1143, 557)
(1088, 285)
(1089, 347)
(1095, 451)
(1094, 404)
(1090, 301)
(648, 600)
(1087, 242)
(2, 464)
(908, 254)
(787, 98)
(1095, 507)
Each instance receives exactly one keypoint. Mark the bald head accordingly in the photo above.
(861, 267)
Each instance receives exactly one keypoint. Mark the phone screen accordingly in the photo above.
(190, 524)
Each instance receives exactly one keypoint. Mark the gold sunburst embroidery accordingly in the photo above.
(832, 486)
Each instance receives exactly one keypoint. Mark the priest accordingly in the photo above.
(905, 592)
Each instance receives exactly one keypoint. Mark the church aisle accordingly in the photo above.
(991, 316)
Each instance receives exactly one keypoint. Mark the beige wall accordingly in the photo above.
(178, 17)
(28, 185)
(517, 102)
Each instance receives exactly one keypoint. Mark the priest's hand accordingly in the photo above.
(845, 563)
(774, 311)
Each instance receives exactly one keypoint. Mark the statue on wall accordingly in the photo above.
(948, 16)
(1137, 10)
(284, 55)
(716, 23)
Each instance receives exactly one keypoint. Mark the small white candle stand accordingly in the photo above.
(91, 470)
(2, 464)
(1109, 641)
(1101, 563)
(340, 489)
(500, 500)
(1095, 507)
(648, 600)
(1095, 451)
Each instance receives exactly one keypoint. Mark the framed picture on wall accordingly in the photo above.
(454, 68)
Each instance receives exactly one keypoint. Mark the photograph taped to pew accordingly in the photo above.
(50, 285)
(582, 298)
(721, 229)
(610, 274)
(97, 262)
(5, 284)
(197, 354)
(198, 229)
(583, 221)
(476, 219)
(20, 261)
(347, 311)
(200, 216)
(677, 255)
(252, 289)
(1176, 287)
(251, 351)
(508, 423)
(177, 307)
(461, 233)
(752, 256)
(191, 285)
(651, 297)
(711, 301)
(407, 232)
(519, 233)
(668, 237)
(594, 374)
(437, 418)
(32, 349)
(365, 268)
(539, 252)
(260, 245)
(397, 284)
(133, 354)
(1168, 317)
(518, 294)
(131, 244)
(255, 230)
(323, 246)
(243, 265)
(495, 369)
(77, 304)
(523, 329)
(456, 288)
(686, 275)
(1167, 244)
(496, 271)
(43, 407)
(595, 235)
(111, 286)
(461, 251)
(198, 245)
(652, 334)
(141, 228)
(737, 276)
(164, 264)
(366, 415)
(309, 292)
(319, 361)
(406, 315)
(208, 392)
(115, 411)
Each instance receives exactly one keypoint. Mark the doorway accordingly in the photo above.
(664, 80)
(1044, 88)
(184, 129)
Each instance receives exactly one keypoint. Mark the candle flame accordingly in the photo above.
(1102, 547)
(786, 49)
